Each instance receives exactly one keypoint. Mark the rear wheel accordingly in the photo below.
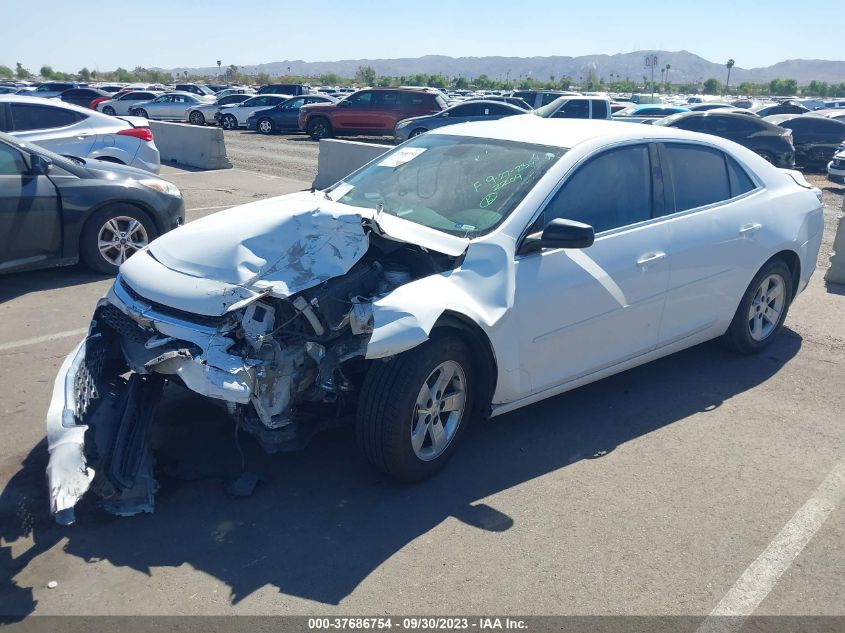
(319, 128)
(109, 110)
(417, 132)
(266, 126)
(197, 118)
(415, 407)
(229, 122)
(114, 234)
(142, 113)
(762, 310)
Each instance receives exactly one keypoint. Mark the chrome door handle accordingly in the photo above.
(748, 229)
(649, 258)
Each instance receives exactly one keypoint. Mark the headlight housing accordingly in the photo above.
(162, 186)
(405, 123)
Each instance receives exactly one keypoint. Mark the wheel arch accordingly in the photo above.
(793, 262)
(481, 350)
(139, 206)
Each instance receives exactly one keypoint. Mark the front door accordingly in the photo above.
(581, 311)
(30, 221)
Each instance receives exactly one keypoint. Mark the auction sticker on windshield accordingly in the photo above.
(402, 156)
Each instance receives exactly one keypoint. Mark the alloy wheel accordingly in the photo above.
(766, 307)
(438, 411)
(120, 237)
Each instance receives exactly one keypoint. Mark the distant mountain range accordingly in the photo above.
(686, 67)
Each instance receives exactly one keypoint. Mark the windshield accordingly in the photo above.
(456, 184)
(61, 161)
(549, 109)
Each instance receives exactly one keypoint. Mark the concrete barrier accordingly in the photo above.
(836, 273)
(338, 159)
(190, 145)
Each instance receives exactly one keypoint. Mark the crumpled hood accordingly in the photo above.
(290, 243)
(282, 245)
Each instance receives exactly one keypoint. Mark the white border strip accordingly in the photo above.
(4, 347)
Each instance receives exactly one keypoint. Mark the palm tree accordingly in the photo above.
(668, 68)
(729, 65)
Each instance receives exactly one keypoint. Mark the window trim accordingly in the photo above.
(669, 183)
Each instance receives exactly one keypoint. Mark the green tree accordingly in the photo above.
(365, 75)
(460, 83)
(330, 79)
(729, 65)
(437, 81)
(21, 72)
(46, 72)
(84, 75)
(231, 73)
(712, 86)
(6, 72)
(262, 79)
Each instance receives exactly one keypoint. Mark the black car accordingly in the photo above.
(294, 90)
(83, 97)
(816, 138)
(519, 103)
(769, 141)
(781, 108)
(283, 117)
(56, 210)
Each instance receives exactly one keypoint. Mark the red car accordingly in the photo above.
(372, 112)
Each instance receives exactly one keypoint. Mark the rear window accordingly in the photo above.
(599, 109)
(740, 181)
(37, 117)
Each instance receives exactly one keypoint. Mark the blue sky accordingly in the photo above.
(70, 34)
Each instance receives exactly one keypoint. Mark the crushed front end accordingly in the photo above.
(285, 359)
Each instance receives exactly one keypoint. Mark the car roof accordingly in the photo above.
(495, 102)
(567, 133)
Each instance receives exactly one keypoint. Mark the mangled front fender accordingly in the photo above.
(68, 476)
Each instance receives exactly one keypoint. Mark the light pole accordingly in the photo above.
(729, 65)
(219, 61)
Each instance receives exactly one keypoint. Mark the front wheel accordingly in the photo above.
(229, 122)
(319, 128)
(197, 118)
(762, 310)
(112, 235)
(108, 110)
(142, 113)
(417, 132)
(415, 407)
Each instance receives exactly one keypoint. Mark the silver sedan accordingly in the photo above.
(203, 113)
(171, 106)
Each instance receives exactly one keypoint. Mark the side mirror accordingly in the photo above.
(559, 233)
(38, 165)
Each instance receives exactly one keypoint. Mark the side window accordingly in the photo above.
(412, 99)
(361, 100)
(388, 99)
(699, 176)
(696, 124)
(11, 161)
(547, 98)
(574, 109)
(608, 191)
(740, 181)
(468, 109)
(295, 104)
(498, 109)
(37, 117)
(599, 109)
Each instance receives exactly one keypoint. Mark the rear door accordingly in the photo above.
(287, 116)
(30, 220)
(61, 130)
(715, 223)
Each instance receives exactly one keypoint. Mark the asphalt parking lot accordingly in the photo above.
(702, 481)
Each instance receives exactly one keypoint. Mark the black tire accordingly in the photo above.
(388, 404)
(267, 124)
(141, 112)
(417, 132)
(196, 118)
(229, 122)
(319, 127)
(109, 110)
(89, 251)
(739, 336)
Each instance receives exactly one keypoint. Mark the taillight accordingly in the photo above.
(143, 133)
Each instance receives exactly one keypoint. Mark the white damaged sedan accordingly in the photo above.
(464, 274)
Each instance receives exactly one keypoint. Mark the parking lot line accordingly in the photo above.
(42, 339)
(219, 206)
(761, 576)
